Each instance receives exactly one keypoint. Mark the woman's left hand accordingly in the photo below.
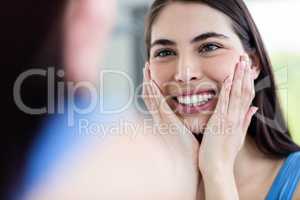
(225, 131)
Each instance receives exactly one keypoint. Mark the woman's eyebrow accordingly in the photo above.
(163, 42)
(205, 36)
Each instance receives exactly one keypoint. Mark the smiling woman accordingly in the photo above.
(208, 61)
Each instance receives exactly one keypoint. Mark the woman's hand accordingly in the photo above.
(179, 143)
(225, 131)
(169, 126)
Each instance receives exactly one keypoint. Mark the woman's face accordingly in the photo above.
(193, 50)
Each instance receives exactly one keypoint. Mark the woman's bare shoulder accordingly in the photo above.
(297, 193)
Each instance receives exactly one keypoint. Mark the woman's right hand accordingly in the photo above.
(179, 142)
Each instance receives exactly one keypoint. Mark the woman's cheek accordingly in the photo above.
(161, 73)
(222, 66)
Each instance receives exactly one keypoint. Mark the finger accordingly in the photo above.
(247, 90)
(161, 100)
(252, 78)
(147, 72)
(148, 95)
(222, 105)
(227, 94)
(152, 89)
(146, 79)
(151, 93)
(148, 98)
(168, 115)
(165, 110)
(236, 91)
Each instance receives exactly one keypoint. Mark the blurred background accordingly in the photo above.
(32, 37)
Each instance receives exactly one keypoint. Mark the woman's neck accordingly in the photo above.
(253, 171)
(252, 166)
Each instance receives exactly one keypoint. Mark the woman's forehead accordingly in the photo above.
(186, 20)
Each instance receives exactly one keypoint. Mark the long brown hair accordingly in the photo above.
(268, 129)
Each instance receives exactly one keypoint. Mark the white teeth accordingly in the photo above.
(195, 100)
(199, 98)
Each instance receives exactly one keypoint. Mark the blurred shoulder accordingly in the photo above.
(126, 164)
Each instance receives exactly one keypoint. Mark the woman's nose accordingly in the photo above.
(188, 69)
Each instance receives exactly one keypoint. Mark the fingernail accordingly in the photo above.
(254, 109)
(249, 61)
(243, 57)
(247, 58)
(243, 64)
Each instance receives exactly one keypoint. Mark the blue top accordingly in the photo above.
(64, 135)
(286, 182)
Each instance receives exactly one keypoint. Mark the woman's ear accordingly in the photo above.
(255, 65)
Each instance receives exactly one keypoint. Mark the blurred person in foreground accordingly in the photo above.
(122, 161)
(236, 156)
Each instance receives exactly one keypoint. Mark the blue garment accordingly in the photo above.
(287, 180)
(60, 139)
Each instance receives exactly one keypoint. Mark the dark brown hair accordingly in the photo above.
(268, 129)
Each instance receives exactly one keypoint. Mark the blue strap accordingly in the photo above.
(287, 180)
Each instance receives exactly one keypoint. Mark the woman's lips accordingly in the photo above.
(195, 92)
(193, 109)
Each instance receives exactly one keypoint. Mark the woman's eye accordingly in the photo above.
(208, 48)
(164, 53)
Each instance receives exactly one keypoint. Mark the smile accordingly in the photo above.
(191, 103)
(195, 100)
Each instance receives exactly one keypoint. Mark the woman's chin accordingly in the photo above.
(197, 131)
(195, 126)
